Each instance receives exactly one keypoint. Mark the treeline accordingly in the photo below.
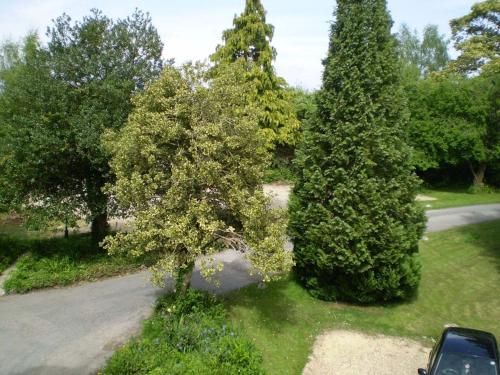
(454, 126)
(453, 105)
(96, 122)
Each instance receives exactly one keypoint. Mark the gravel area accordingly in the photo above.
(353, 353)
(280, 194)
(425, 198)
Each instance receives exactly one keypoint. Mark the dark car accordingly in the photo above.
(463, 351)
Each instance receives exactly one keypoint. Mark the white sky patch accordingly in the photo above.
(191, 29)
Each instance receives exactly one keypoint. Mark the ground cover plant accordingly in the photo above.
(11, 250)
(15, 239)
(187, 335)
(460, 269)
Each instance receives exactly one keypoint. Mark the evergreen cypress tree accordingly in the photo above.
(354, 221)
(249, 43)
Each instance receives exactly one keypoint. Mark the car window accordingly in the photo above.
(432, 357)
(460, 364)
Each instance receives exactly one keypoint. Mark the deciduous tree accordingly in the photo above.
(57, 101)
(189, 165)
(477, 38)
(454, 122)
(418, 57)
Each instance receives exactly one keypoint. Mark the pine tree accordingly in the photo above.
(249, 43)
(354, 221)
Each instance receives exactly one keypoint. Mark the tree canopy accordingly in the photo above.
(451, 125)
(477, 38)
(354, 221)
(250, 41)
(189, 166)
(454, 115)
(58, 99)
(419, 57)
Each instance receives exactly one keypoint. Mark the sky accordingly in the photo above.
(191, 29)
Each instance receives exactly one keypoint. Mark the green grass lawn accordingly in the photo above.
(456, 197)
(58, 261)
(460, 280)
(46, 261)
(15, 240)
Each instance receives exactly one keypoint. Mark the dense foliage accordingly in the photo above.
(188, 334)
(189, 165)
(55, 104)
(249, 41)
(451, 124)
(454, 126)
(354, 221)
(281, 168)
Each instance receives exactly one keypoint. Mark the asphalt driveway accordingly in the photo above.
(74, 330)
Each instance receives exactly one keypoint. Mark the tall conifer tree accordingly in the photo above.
(354, 221)
(249, 43)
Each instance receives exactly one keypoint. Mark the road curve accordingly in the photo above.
(448, 218)
(74, 330)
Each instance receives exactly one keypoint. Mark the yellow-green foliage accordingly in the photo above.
(248, 44)
(476, 37)
(189, 165)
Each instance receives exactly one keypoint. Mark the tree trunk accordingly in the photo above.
(184, 279)
(97, 203)
(478, 174)
(99, 226)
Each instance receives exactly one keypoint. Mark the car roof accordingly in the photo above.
(469, 341)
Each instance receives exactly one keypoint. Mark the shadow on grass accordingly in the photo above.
(76, 247)
(274, 309)
(58, 261)
(487, 237)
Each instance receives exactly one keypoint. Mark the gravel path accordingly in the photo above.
(354, 353)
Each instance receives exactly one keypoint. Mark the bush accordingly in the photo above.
(188, 334)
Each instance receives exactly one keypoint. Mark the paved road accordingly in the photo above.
(74, 330)
(448, 218)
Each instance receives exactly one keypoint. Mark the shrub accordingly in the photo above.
(188, 334)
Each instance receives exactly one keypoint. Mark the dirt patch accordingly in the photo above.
(354, 353)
